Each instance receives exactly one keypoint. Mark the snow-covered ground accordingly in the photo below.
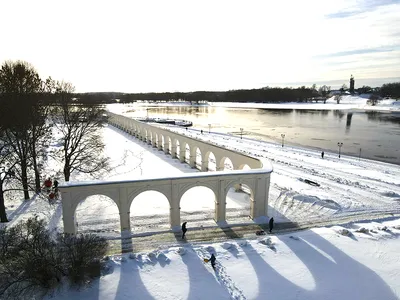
(321, 263)
(314, 264)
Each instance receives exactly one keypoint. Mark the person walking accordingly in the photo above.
(271, 224)
(55, 185)
(212, 260)
(184, 229)
(322, 154)
(47, 184)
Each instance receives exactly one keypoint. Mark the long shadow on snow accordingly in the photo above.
(343, 278)
(199, 283)
(130, 284)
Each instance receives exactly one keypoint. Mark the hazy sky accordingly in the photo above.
(143, 46)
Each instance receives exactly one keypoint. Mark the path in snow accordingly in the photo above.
(221, 274)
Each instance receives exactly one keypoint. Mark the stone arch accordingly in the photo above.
(196, 157)
(246, 187)
(184, 152)
(153, 138)
(204, 210)
(239, 202)
(225, 164)
(104, 205)
(175, 148)
(81, 196)
(209, 162)
(133, 194)
(244, 167)
(168, 145)
(146, 206)
(158, 140)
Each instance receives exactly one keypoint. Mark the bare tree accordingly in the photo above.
(7, 165)
(324, 91)
(82, 147)
(373, 99)
(338, 98)
(20, 87)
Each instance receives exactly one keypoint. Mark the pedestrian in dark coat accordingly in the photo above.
(271, 224)
(183, 230)
(212, 260)
(322, 154)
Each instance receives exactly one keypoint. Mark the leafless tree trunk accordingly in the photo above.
(338, 98)
(20, 86)
(82, 148)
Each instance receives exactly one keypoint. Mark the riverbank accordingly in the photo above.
(347, 102)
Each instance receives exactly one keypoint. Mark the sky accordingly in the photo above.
(160, 46)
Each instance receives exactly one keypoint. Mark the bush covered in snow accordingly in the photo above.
(363, 230)
(266, 241)
(181, 251)
(32, 262)
(243, 243)
(227, 246)
(162, 257)
(344, 231)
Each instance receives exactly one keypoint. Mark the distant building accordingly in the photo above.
(351, 90)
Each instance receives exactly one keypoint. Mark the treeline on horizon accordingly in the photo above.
(262, 95)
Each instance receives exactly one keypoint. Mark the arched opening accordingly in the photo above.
(210, 160)
(225, 164)
(198, 159)
(158, 139)
(162, 140)
(198, 207)
(178, 148)
(187, 153)
(149, 211)
(97, 214)
(244, 167)
(239, 203)
(169, 145)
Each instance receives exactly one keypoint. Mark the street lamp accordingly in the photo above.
(241, 133)
(340, 147)
(209, 128)
(283, 139)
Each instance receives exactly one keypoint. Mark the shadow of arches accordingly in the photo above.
(348, 274)
(198, 282)
(129, 277)
(342, 278)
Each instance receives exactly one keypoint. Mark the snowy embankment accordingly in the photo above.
(359, 261)
(347, 102)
